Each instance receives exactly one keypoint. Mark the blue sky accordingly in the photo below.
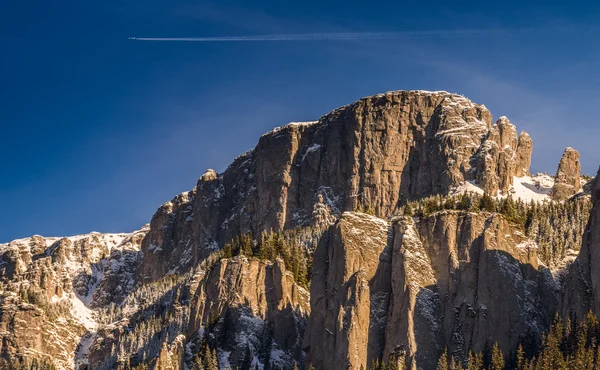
(98, 130)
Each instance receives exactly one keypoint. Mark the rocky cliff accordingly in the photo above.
(568, 176)
(382, 286)
(49, 286)
(374, 154)
(582, 288)
(349, 294)
(250, 311)
(409, 289)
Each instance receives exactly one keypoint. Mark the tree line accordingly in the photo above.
(567, 345)
(556, 227)
(270, 246)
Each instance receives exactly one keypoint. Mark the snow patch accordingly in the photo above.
(85, 315)
(223, 359)
(535, 188)
(467, 187)
(526, 188)
(312, 148)
(83, 351)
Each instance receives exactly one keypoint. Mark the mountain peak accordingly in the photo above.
(227, 263)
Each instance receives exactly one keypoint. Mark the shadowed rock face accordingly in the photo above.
(455, 280)
(242, 306)
(582, 287)
(568, 176)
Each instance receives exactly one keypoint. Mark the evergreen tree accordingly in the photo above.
(443, 361)
(408, 210)
(475, 361)
(520, 358)
(497, 358)
(487, 203)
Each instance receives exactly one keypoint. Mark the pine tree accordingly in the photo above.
(246, 245)
(408, 210)
(214, 361)
(443, 361)
(520, 358)
(198, 363)
(497, 358)
(455, 364)
(266, 250)
(487, 203)
(475, 361)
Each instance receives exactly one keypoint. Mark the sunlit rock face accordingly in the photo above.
(410, 288)
(382, 286)
(568, 176)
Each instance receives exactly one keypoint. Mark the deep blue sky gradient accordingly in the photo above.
(98, 130)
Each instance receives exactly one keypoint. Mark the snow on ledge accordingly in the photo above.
(291, 124)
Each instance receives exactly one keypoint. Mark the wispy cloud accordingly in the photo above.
(351, 35)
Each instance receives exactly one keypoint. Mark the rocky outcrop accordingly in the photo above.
(372, 155)
(524, 151)
(169, 245)
(49, 286)
(568, 177)
(255, 307)
(171, 356)
(246, 309)
(349, 294)
(446, 290)
(32, 333)
(503, 155)
(433, 285)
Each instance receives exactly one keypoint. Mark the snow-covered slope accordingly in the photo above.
(536, 188)
(62, 278)
(527, 188)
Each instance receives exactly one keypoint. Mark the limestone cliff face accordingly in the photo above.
(455, 280)
(243, 307)
(168, 246)
(261, 310)
(404, 289)
(568, 176)
(461, 281)
(374, 154)
(524, 151)
(349, 294)
(582, 286)
(503, 155)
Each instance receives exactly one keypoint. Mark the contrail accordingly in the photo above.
(349, 35)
